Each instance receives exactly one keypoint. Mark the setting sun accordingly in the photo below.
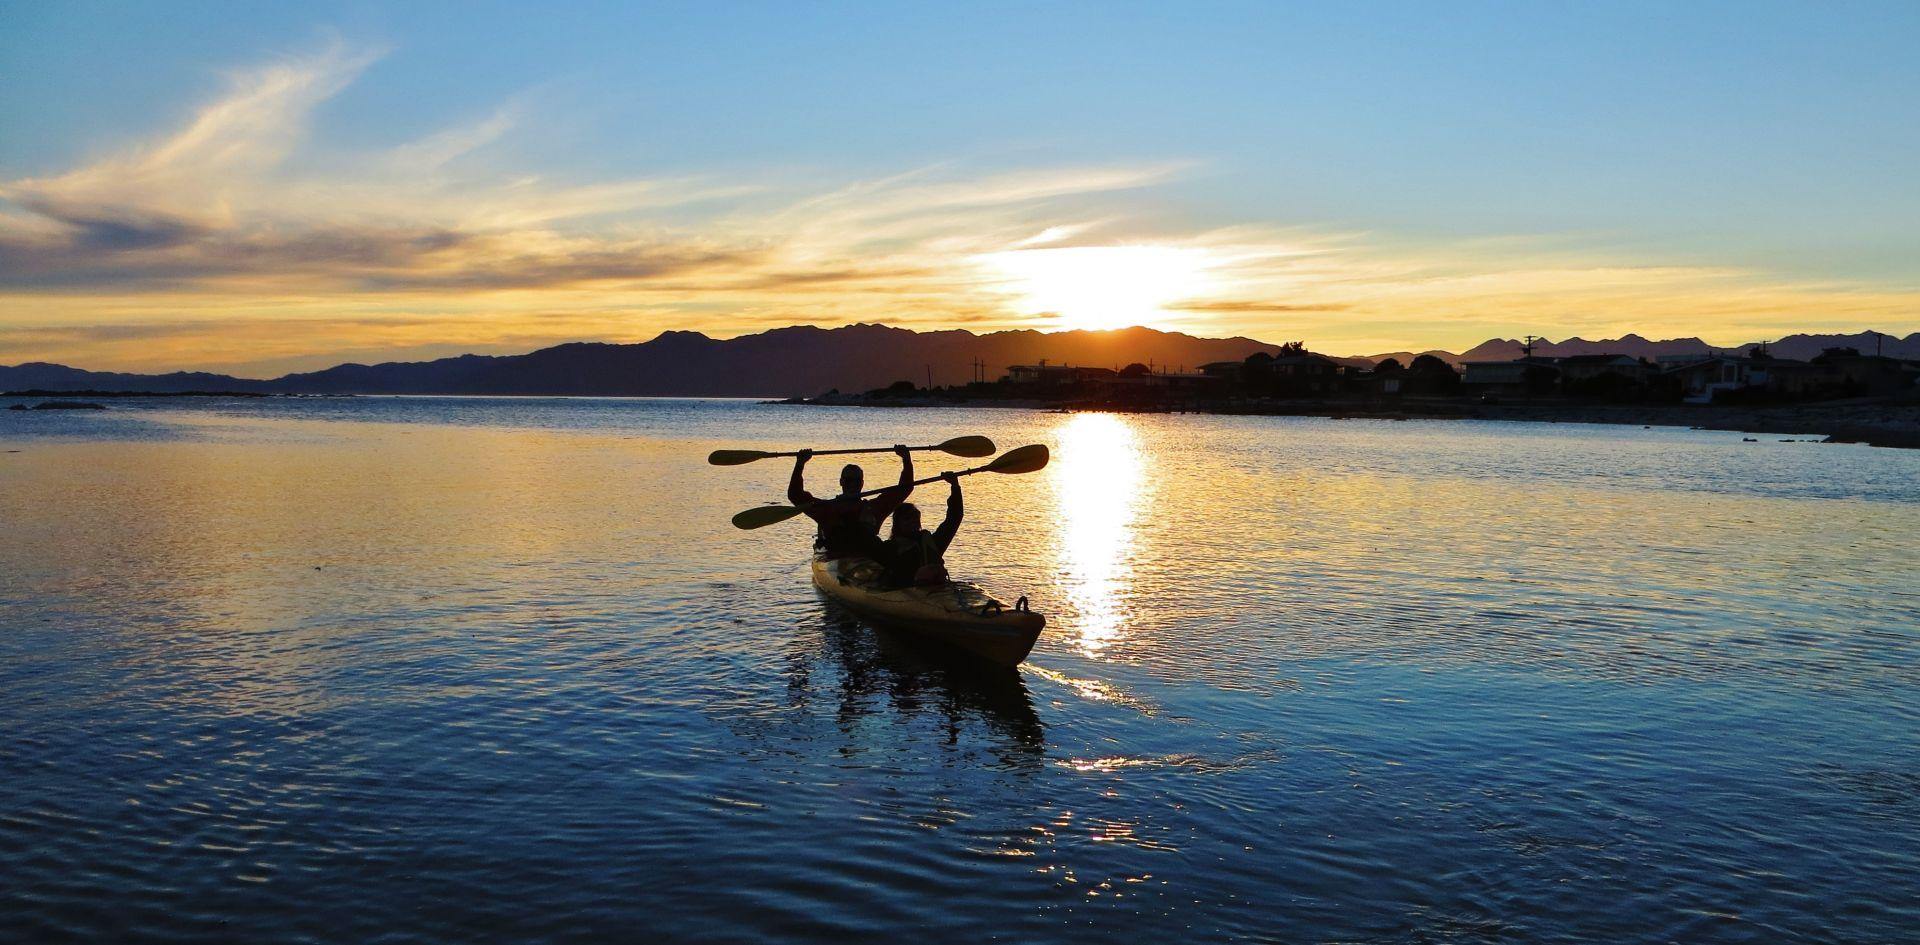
(1098, 287)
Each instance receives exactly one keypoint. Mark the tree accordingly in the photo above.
(1293, 347)
(1389, 366)
(1432, 376)
(1136, 369)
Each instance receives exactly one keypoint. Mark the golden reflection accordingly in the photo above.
(1097, 479)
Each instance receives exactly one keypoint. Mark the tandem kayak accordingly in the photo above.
(957, 614)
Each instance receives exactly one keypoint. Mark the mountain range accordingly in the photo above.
(805, 360)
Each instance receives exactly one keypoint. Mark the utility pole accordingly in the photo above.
(929, 377)
(1526, 350)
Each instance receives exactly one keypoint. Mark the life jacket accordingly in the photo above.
(847, 527)
(914, 560)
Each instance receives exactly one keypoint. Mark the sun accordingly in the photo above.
(1098, 287)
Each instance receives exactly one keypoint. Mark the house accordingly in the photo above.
(1293, 373)
(1520, 374)
(1851, 372)
(1390, 381)
(1587, 367)
(1163, 384)
(1702, 380)
(1054, 375)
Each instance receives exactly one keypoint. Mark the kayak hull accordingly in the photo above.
(958, 615)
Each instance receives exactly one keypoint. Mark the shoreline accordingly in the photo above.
(1874, 423)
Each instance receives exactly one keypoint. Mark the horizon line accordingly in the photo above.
(1003, 331)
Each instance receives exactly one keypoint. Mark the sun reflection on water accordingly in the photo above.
(1097, 480)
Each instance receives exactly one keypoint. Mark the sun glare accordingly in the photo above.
(1099, 287)
(1099, 478)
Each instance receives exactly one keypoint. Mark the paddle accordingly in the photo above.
(972, 447)
(1026, 459)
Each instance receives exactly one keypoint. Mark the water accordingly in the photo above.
(412, 670)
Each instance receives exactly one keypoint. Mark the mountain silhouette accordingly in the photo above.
(805, 360)
(1798, 347)
(779, 363)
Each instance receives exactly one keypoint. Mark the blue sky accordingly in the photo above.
(1772, 144)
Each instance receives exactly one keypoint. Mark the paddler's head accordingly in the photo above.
(851, 479)
(906, 520)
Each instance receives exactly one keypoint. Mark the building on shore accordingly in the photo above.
(1851, 372)
(1292, 373)
(1703, 379)
(1581, 368)
(1055, 375)
(1530, 374)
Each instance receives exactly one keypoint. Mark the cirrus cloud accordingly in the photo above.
(234, 240)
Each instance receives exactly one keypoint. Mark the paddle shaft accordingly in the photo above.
(1026, 459)
(877, 449)
(917, 482)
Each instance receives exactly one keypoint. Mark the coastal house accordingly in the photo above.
(1389, 381)
(1588, 367)
(1702, 380)
(1293, 373)
(1055, 375)
(1162, 385)
(1850, 372)
(1609, 376)
(1515, 376)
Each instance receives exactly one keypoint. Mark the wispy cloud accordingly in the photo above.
(238, 241)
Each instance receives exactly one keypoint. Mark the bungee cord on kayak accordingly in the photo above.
(902, 582)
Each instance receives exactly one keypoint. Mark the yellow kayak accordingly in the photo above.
(957, 614)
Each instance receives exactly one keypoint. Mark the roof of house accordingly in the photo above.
(1769, 363)
(1599, 359)
(1060, 367)
(1535, 361)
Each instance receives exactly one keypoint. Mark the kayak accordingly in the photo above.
(957, 614)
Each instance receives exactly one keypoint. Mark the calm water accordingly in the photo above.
(452, 670)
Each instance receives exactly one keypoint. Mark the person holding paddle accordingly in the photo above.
(914, 556)
(849, 524)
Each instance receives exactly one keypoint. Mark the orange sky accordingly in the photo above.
(236, 241)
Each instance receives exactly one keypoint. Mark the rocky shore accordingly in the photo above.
(1875, 422)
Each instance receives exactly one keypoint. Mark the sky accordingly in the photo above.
(260, 188)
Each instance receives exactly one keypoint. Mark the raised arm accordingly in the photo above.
(887, 501)
(956, 510)
(796, 487)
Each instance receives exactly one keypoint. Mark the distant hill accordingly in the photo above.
(38, 375)
(778, 363)
(804, 360)
(1798, 347)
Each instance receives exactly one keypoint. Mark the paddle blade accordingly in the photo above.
(735, 457)
(1025, 459)
(763, 516)
(972, 447)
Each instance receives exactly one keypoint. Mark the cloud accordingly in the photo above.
(237, 240)
(221, 205)
(1245, 306)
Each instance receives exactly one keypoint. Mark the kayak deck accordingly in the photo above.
(957, 614)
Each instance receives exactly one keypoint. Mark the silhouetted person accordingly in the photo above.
(848, 524)
(912, 555)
